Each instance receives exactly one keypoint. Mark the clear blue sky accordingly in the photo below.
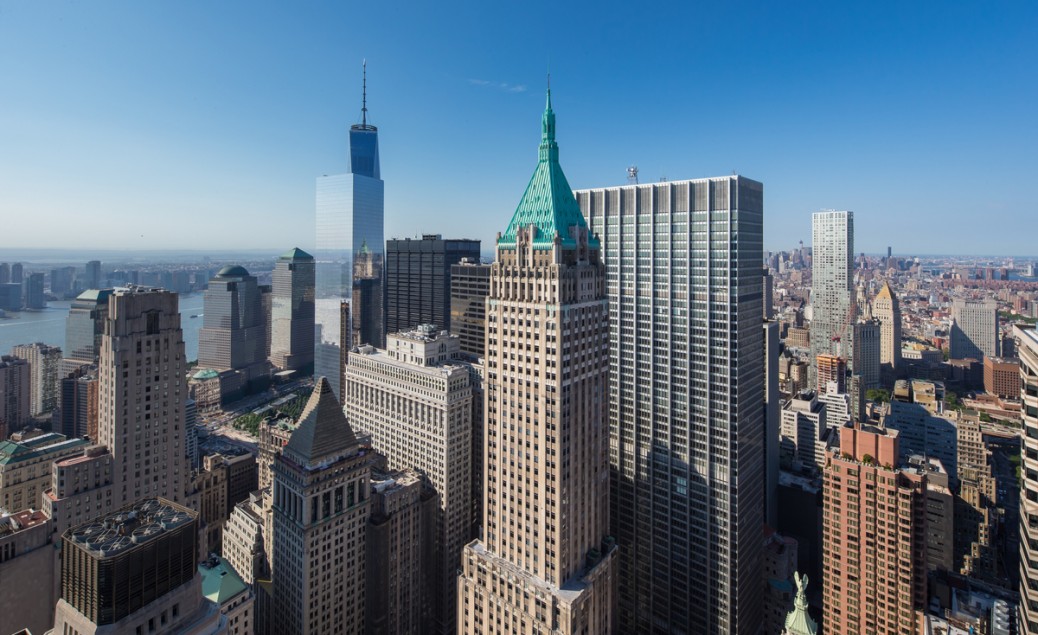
(203, 124)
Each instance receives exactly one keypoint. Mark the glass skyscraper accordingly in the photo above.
(685, 390)
(350, 253)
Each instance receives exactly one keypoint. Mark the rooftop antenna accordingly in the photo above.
(364, 108)
(632, 175)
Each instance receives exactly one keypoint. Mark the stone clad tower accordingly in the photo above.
(546, 563)
(321, 508)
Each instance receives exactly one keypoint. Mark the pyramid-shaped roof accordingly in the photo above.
(885, 293)
(296, 253)
(323, 434)
(548, 203)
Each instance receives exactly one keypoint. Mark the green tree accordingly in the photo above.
(879, 395)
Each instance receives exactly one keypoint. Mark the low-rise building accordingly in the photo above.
(26, 572)
(25, 467)
(222, 586)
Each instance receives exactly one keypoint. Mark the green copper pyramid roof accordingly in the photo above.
(548, 202)
(296, 254)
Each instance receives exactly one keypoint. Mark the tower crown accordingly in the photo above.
(548, 204)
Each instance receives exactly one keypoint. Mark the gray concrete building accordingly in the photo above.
(832, 285)
(974, 331)
(292, 312)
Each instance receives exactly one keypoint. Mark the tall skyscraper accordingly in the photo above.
(61, 281)
(974, 331)
(874, 579)
(470, 286)
(16, 273)
(78, 394)
(418, 280)
(5, 273)
(349, 254)
(34, 298)
(232, 335)
(423, 421)
(832, 285)
(93, 275)
(1027, 349)
(292, 312)
(865, 345)
(887, 309)
(85, 325)
(686, 400)
(43, 368)
(321, 508)
(141, 397)
(546, 562)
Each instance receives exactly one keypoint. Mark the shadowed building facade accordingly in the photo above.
(418, 280)
(546, 562)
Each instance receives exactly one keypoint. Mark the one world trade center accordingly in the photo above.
(349, 254)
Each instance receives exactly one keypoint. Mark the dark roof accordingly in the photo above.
(323, 432)
(232, 271)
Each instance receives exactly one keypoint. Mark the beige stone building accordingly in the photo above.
(27, 586)
(414, 400)
(887, 309)
(243, 539)
(320, 514)
(546, 561)
(273, 435)
(1027, 349)
(25, 467)
(44, 362)
(222, 586)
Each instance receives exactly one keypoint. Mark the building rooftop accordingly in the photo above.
(15, 452)
(323, 434)
(129, 527)
(296, 254)
(220, 582)
(232, 271)
(98, 296)
(13, 523)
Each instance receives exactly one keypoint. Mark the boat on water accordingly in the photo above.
(197, 316)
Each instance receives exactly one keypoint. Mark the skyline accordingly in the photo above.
(223, 118)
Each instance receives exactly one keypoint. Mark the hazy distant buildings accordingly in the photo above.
(685, 394)
(17, 273)
(84, 325)
(34, 297)
(292, 312)
(92, 277)
(62, 281)
(470, 286)
(349, 254)
(832, 283)
(546, 435)
(418, 280)
(974, 331)
(233, 335)
(11, 296)
(321, 507)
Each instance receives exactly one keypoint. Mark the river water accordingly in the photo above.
(48, 326)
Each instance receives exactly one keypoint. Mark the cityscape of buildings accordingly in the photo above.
(632, 419)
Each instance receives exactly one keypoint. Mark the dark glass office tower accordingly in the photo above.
(86, 324)
(418, 280)
(350, 252)
(686, 400)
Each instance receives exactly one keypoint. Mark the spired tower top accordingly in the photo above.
(548, 209)
(798, 621)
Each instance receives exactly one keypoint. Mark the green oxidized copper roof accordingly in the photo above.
(220, 582)
(296, 254)
(548, 202)
(798, 622)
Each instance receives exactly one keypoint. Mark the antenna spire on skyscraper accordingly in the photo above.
(364, 106)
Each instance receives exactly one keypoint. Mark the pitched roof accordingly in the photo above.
(885, 292)
(296, 254)
(323, 432)
(548, 202)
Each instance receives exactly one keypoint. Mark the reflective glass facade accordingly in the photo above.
(350, 254)
(686, 425)
(85, 325)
